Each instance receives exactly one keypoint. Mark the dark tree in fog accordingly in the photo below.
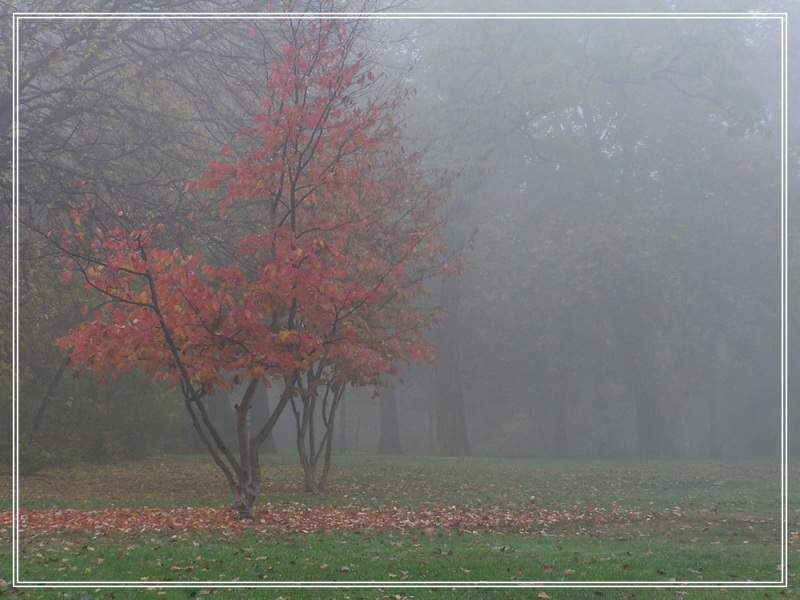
(389, 441)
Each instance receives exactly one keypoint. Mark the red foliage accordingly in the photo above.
(335, 229)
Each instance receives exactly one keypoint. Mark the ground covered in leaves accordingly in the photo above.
(298, 518)
(403, 520)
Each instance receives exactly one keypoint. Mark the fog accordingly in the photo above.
(615, 188)
(623, 294)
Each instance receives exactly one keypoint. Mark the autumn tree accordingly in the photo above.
(334, 230)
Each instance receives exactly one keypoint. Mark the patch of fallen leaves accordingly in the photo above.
(299, 518)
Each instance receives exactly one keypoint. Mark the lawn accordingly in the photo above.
(395, 522)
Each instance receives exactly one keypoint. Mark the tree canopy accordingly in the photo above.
(333, 231)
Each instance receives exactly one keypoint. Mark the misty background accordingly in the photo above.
(616, 182)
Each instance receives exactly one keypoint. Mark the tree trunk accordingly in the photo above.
(245, 502)
(308, 448)
(329, 419)
(648, 428)
(302, 415)
(560, 440)
(343, 428)
(432, 409)
(303, 407)
(310, 478)
(634, 321)
(249, 476)
(243, 475)
(718, 366)
(49, 394)
(389, 442)
(451, 424)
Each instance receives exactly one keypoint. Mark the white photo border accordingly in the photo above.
(23, 16)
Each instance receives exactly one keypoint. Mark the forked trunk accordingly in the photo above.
(243, 475)
(308, 448)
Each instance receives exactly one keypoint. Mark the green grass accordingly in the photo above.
(713, 521)
(354, 557)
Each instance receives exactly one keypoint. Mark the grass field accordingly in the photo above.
(393, 522)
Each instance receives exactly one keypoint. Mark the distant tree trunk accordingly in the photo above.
(560, 441)
(715, 399)
(633, 319)
(343, 427)
(451, 422)
(49, 394)
(652, 430)
(432, 446)
(357, 435)
(647, 401)
(648, 424)
(389, 442)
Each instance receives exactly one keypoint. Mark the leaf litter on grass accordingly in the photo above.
(410, 499)
(298, 518)
(444, 496)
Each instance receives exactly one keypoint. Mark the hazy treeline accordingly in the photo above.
(617, 182)
(624, 177)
